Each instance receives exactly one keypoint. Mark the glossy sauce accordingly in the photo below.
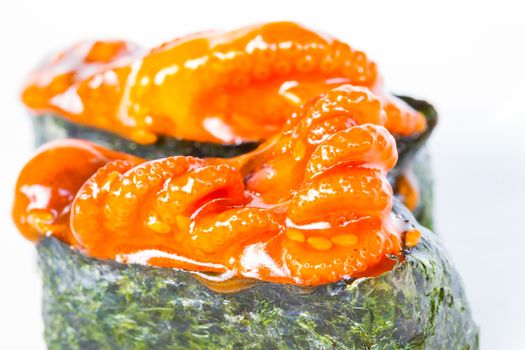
(311, 205)
(228, 87)
(407, 188)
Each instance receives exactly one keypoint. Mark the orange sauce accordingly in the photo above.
(47, 185)
(225, 87)
(408, 189)
(311, 205)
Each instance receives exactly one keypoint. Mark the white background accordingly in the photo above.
(467, 57)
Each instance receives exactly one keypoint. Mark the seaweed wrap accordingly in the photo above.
(101, 304)
(298, 244)
(411, 178)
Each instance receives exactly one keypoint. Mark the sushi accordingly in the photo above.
(298, 244)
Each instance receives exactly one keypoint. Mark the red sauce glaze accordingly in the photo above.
(311, 205)
(228, 87)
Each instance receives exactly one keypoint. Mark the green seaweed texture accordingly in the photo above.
(422, 170)
(96, 304)
(49, 127)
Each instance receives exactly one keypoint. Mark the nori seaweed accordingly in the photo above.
(95, 304)
(422, 170)
(413, 155)
(49, 127)
(409, 146)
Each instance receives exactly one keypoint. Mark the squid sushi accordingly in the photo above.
(298, 244)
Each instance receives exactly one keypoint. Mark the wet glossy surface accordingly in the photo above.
(311, 205)
(228, 87)
(47, 186)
